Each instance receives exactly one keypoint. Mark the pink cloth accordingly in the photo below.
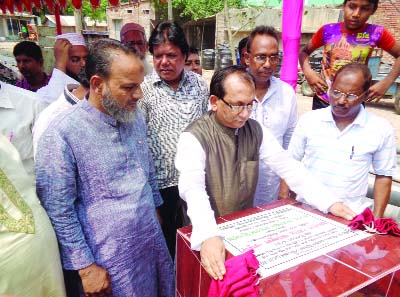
(366, 221)
(292, 12)
(240, 280)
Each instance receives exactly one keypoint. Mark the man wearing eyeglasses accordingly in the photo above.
(339, 143)
(277, 109)
(134, 37)
(218, 157)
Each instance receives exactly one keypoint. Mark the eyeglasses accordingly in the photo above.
(239, 108)
(336, 94)
(261, 59)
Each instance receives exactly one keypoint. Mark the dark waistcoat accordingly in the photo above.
(232, 157)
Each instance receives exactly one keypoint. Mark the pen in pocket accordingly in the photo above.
(352, 152)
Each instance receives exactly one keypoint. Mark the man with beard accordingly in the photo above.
(134, 37)
(70, 53)
(96, 180)
(277, 108)
(77, 53)
(347, 142)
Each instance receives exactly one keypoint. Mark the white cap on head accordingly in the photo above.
(73, 38)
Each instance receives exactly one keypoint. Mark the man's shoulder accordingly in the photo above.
(253, 123)
(377, 122)
(315, 116)
(282, 85)
(19, 94)
(150, 84)
(201, 121)
(58, 106)
(66, 118)
(23, 99)
(195, 80)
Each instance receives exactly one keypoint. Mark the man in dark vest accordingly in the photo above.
(218, 157)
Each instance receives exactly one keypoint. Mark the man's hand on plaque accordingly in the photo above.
(341, 210)
(212, 254)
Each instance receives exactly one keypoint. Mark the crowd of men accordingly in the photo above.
(121, 154)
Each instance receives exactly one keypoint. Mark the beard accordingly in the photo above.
(115, 110)
(72, 75)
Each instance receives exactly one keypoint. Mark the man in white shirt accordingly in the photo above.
(19, 110)
(218, 156)
(70, 53)
(346, 142)
(72, 94)
(277, 108)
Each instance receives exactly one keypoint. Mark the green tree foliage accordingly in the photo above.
(97, 15)
(196, 9)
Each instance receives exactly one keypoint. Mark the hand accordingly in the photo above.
(95, 281)
(61, 49)
(284, 191)
(212, 254)
(341, 210)
(159, 217)
(378, 90)
(317, 83)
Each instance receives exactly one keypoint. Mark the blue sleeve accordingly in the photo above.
(56, 185)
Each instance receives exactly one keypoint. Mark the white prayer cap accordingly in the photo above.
(73, 38)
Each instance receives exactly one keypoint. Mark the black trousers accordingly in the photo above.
(72, 282)
(173, 215)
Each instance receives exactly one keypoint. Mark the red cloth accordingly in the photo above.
(240, 279)
(366, 221)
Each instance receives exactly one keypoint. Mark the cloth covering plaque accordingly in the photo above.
(286, 236)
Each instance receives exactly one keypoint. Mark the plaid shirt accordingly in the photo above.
(168, 112)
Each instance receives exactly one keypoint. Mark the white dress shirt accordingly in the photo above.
(277, 111)
(55, 87)
(53, 111)
(19, 110)
(342, 159)
(190, 162)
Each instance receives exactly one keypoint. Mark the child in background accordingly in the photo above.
(352, 40)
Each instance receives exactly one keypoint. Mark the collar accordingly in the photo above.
(68, 93)
(273, 85)
(87, 106)
(157, 80)
(344, 30)
(24, 84)
(227, 130)
(5, 98)
(360, 119)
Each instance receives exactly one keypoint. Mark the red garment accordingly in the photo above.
(366, 221)
(240, 280)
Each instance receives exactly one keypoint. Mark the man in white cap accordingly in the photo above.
(70, 53)
(134, 37)
(77, 53)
